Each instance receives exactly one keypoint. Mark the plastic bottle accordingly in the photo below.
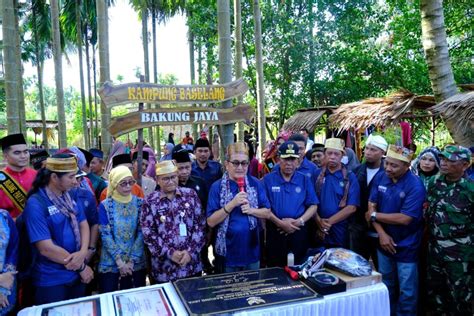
(290, 261)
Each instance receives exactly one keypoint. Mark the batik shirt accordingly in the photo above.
(161, 219)
(119, 226)
(8, 255)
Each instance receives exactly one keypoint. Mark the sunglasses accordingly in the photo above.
(236, 163)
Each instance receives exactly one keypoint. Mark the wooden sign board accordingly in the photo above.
(180, 116)
(141, 92)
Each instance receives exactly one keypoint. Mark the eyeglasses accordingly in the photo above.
(125, 184)
(169, 179)
(236, 163)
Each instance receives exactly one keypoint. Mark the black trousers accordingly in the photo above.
(279, 245)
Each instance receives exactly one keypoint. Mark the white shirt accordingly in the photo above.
(370, 174)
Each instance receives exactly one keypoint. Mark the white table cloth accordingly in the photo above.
(364, 301)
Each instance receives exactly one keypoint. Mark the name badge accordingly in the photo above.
(52, 210)
(183, 232)
(275, 189)
(382, 189)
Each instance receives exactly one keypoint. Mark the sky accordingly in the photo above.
(126, 50)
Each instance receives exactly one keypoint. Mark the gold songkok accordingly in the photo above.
(335, 143)
(237, 148)
(399, 153)
(165, 167)
(61, 164)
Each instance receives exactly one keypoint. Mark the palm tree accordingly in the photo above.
(257, 20)
(58, 72)
(10, 32)
(103, 36)
(238, 56)
(435, 46)
(225, 61)
(19, 72)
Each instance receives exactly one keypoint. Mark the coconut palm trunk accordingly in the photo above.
(58, 73)
(146, 60)
(104, 69)
(225, 61)
(257, 20)
(81, 74)
(19, 72)
(10, 66)
(238, 57)
(435, 46)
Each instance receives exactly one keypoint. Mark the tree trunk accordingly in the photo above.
(225, 61)
(58, 73)
(11, 80)
(89, 94)
(39, 72)
(87, 143)
(260, 84)
(104, 69)
(192, 70)
(19, 73)
(238, 57)
(437, 58)
(146, 60)
(96, 112)
(155, 78)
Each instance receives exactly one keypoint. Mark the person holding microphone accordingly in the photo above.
(235, 205)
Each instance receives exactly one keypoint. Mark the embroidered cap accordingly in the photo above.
(165, 167)
(335, 143)
(68, 164)
(12, 139)
(399, 153)
(456, 153)
(289, 149)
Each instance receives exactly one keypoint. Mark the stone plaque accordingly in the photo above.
(225, 293)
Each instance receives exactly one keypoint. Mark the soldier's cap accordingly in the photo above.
(335, 143)
(456, 153)
(399, 153)
(12, 139)
(165, 167)
(288, 149)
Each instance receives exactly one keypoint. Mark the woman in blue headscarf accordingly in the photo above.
(168, 149)
(8, 261)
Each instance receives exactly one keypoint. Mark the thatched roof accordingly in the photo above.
(384, 111)
(459, 111)
(306, 119)
(37, 124)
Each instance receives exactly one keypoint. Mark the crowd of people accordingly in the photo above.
(77, 224)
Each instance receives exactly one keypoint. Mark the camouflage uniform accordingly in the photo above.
(450, 250)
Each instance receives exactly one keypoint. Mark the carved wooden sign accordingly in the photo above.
(178, 116)
(141, 92)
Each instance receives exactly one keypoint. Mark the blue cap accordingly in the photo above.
(97, 153)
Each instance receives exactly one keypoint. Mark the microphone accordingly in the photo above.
(241, 184)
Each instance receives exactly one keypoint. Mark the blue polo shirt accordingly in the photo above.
(406, 196)
(289, 199)
(307, 168)
(86, 201)
(242, 248)
(332, 192)
(44, 221)
(211, 173)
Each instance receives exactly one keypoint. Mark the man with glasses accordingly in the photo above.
(293, 202)
(236, 203)
(450, 221)
(203, 167)
(173, 227)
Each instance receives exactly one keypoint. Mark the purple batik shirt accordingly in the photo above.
(160, 222)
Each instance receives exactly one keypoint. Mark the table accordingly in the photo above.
(364, 301)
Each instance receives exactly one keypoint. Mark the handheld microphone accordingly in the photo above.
(241, 184)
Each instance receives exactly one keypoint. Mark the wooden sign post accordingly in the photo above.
(179, 116)
(113, 95)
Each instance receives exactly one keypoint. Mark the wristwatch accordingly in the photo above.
(373, 217)
(301, 222)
